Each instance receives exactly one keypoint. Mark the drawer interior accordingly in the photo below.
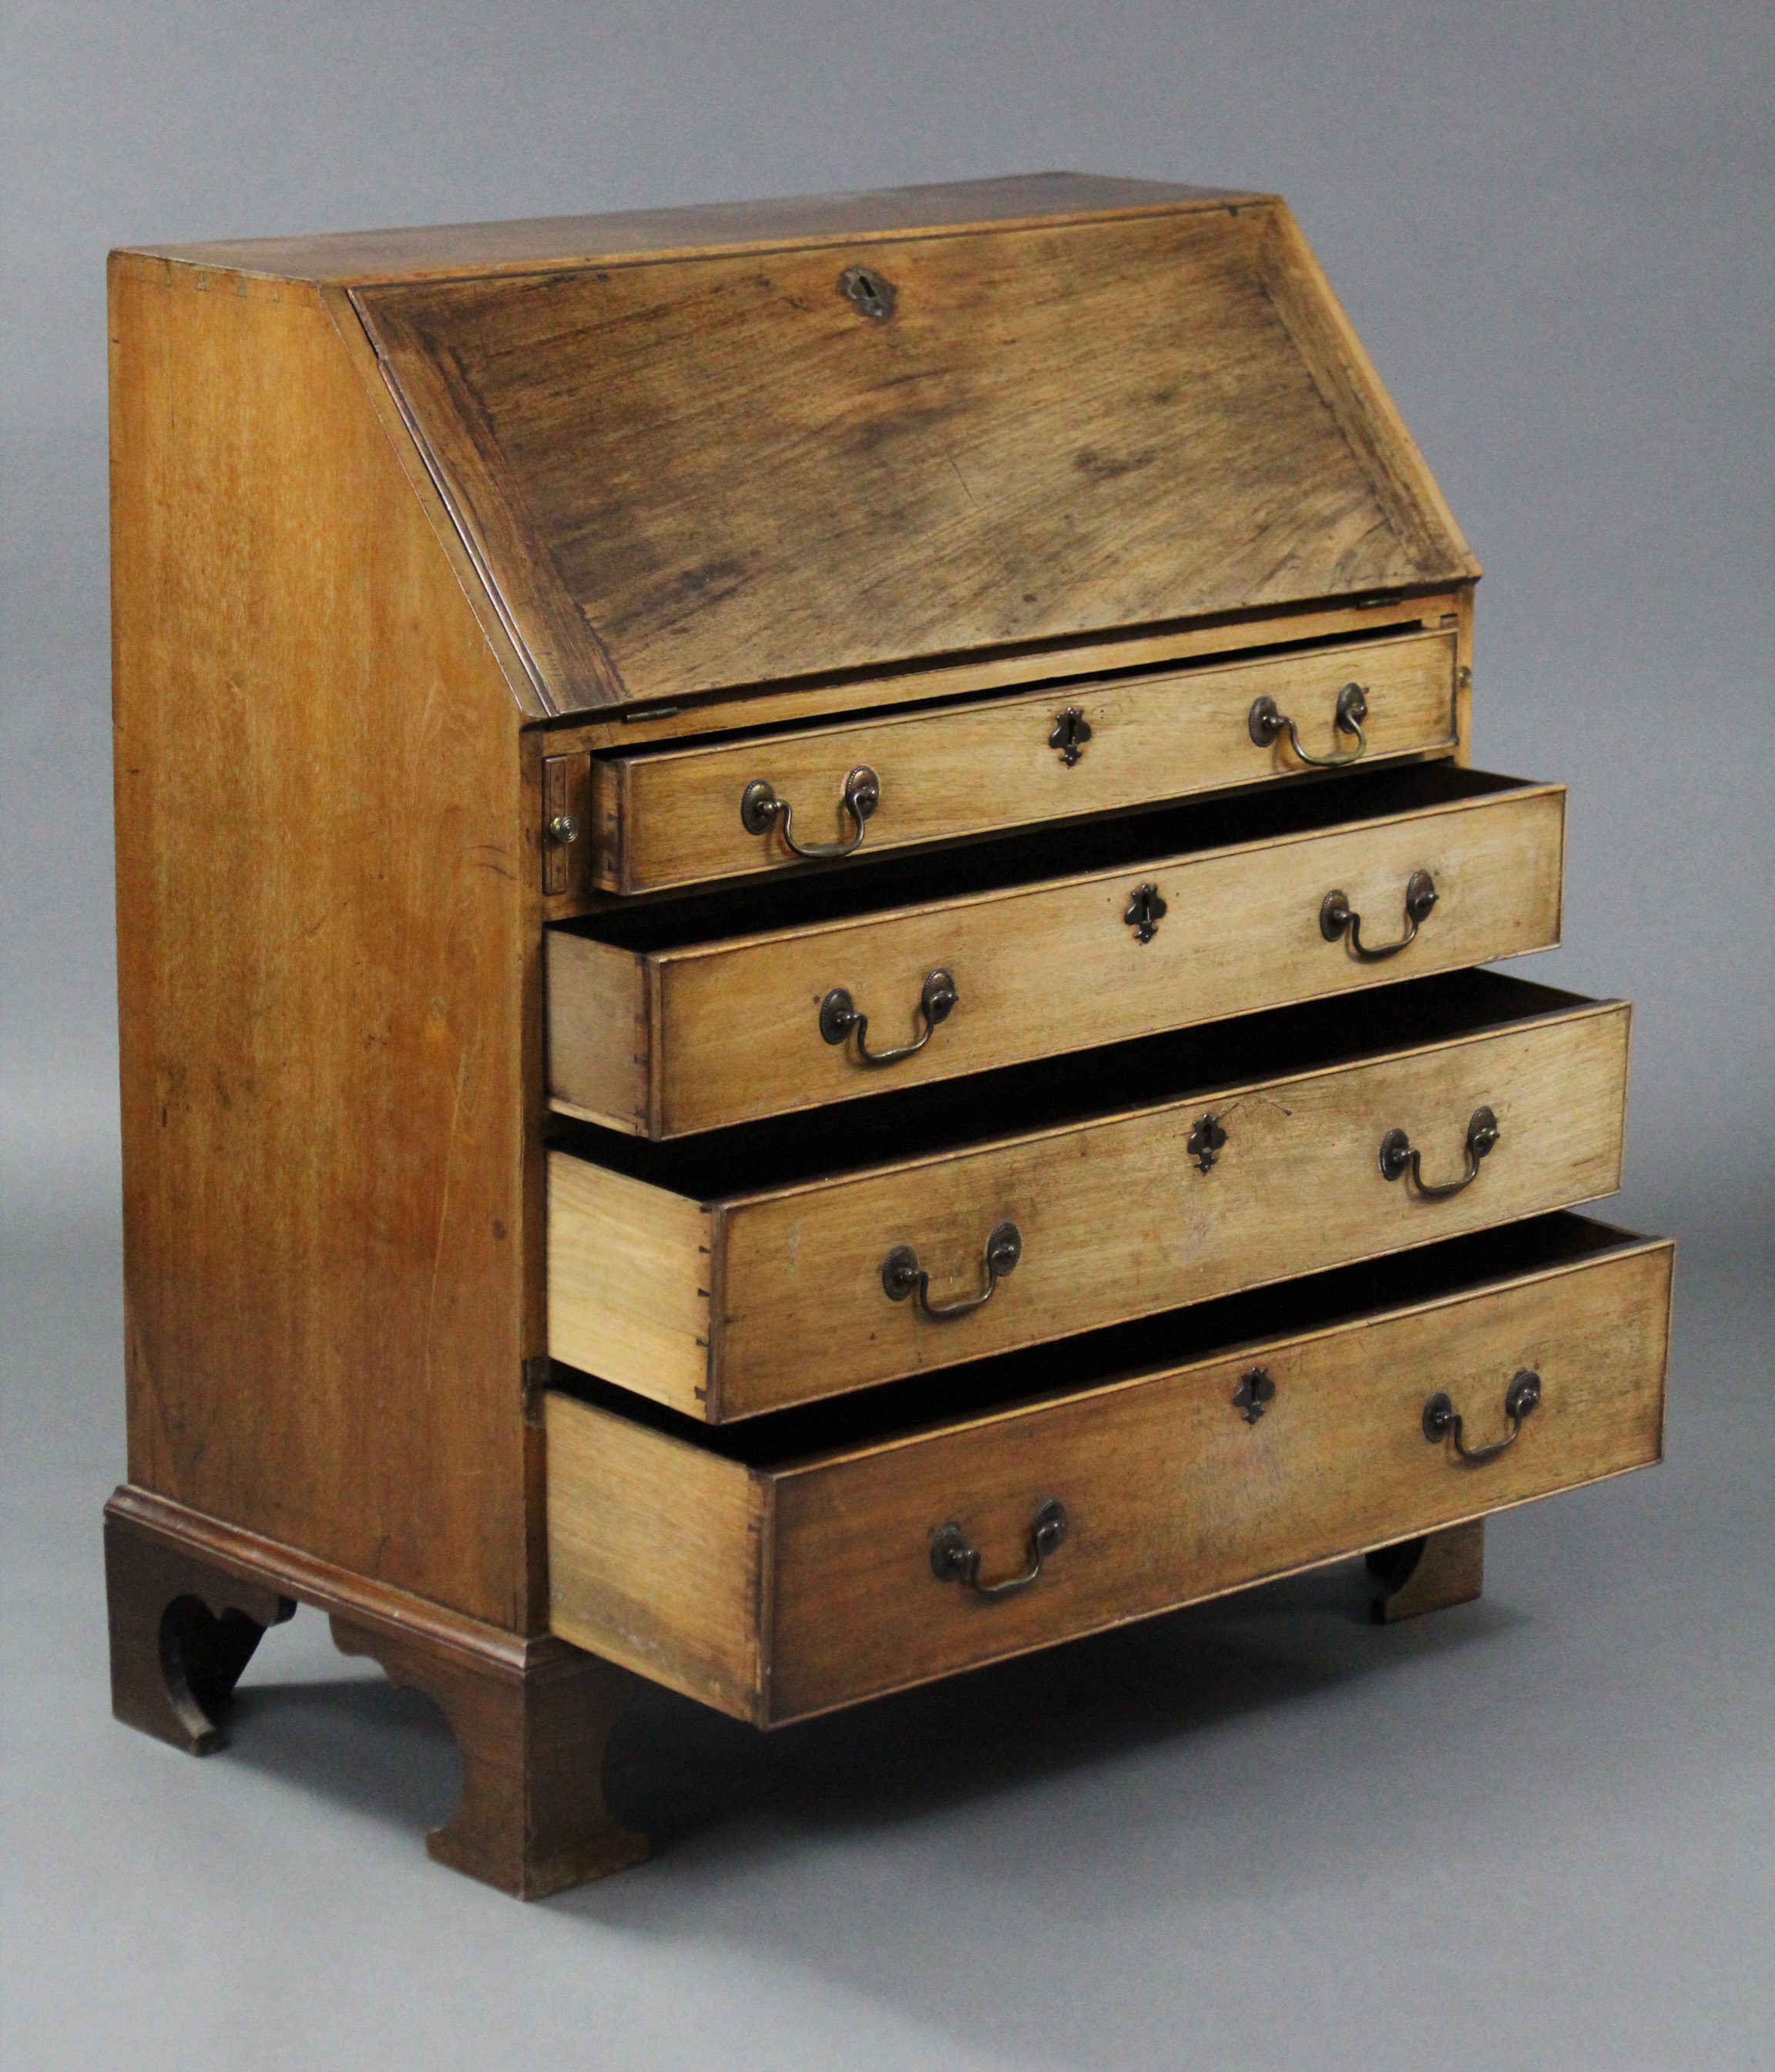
(1204, 1330)
(1293, 806)
(919, 1121)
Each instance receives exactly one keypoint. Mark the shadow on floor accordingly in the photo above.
(675, 1769)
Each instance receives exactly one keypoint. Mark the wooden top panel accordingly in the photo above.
(713, 473)
(352, 257)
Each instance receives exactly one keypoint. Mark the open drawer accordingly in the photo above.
(824, 1556)
(766, 1266)
(678, 816)
(693, 1013)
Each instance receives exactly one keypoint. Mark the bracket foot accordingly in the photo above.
(190, 1598)
(1429, 1573)
(181, 1631)
(532, 1818)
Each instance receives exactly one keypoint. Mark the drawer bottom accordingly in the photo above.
(822, 1556)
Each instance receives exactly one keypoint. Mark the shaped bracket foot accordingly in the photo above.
(532, 1818)
(1429, 1573)
(181, 1631)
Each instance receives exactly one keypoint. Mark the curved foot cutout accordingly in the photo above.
(532, 1819)
(181, 1634)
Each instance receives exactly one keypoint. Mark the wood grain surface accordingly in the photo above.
(672, 817)
(324, 913)
(629, 1268)
(603, 1008)
(632, 236)
(717, 471)
(656, 1553)
(1116, 1218)
(1172, 1495)
(1227, 635)
(1048, 967)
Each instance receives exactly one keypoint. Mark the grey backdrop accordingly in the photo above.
(1539, 1830)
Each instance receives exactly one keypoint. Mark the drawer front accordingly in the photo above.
(676, 818)
(1119, 1220)
(727, 1032)
(1116, 1217)
(776, 1591)
(1171, 1495)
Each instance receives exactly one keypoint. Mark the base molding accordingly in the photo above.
(190, 1596)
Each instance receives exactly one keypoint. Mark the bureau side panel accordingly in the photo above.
(321, 932)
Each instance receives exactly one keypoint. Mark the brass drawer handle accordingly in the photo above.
(953, 1560)
(1336, 918)
(838, 1017)
(760, 808)
(1442, 1420)
(1398, 1158)
(902, 1275)
(1266, 722)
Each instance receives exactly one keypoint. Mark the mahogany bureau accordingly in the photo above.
(800, 907)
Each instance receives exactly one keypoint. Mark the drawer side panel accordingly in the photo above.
(600, 1032)
(655, 1555)
(629, 1282)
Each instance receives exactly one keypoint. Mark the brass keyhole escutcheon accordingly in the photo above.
(1206, 1140)
(1070, 733)
(1255, 1390)
(871, 295)
(1145, 911)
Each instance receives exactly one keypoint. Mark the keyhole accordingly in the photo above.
(1071, 731)
(872, 296)
(1145, 911)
